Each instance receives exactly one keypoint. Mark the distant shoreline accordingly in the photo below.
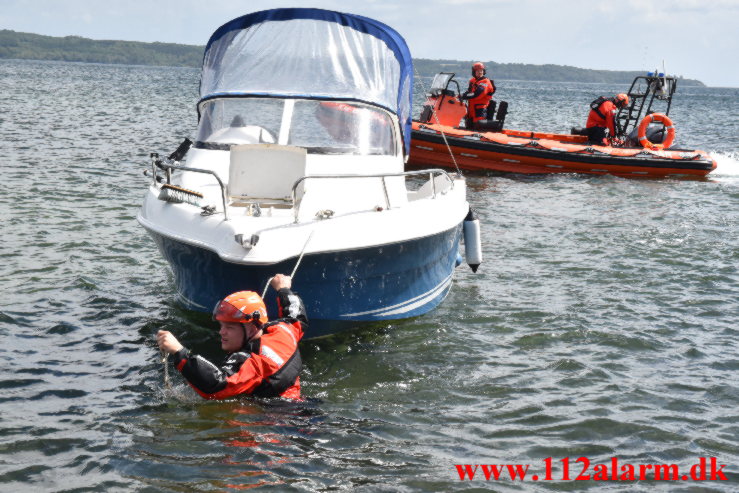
(28, 46)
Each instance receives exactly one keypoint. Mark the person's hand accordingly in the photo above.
(167, 342)
(281, 281)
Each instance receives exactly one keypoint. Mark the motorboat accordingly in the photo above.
(298, 168)
(642, 147)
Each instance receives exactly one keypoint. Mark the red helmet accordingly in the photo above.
(622, 100)
(241, 307)
(478, 66)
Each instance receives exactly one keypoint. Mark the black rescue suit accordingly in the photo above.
(266, 367)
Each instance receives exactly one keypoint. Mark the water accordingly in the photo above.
(603, 322)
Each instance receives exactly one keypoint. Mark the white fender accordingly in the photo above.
(472, 241)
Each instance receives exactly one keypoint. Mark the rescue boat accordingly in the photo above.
(298, 168)
(644, 146)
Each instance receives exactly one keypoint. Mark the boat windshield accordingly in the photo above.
(325, 127)
(440, 82)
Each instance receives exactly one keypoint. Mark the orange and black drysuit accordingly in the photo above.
(479, 93)
(602, 116)
(265, 367)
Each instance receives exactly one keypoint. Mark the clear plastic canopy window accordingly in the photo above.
(322, 127)
(310, 53)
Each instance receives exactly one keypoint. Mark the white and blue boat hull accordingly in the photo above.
(341, 289)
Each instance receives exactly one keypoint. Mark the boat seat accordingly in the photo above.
(491, 109)
(489, 125)
(265, 173)
(502, 112)
(494, 123)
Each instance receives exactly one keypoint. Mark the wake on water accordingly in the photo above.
(727, 164)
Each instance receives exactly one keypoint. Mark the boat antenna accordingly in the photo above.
(292, 274)
(436, 117)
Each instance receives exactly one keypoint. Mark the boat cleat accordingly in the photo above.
(247, 243)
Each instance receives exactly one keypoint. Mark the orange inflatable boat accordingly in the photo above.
(643, 148)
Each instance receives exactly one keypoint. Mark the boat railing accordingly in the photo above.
(430, 172)
(383, 176)
(169, 167)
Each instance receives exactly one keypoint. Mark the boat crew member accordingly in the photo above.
(603, 116)
(479, 93)
(262, 357)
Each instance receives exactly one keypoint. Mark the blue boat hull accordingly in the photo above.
(340, 289)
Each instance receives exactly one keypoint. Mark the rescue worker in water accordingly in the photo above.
(602, 117)
(479, 93)
(263, 358)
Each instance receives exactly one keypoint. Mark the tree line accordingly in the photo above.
(523, 71)
(16, 45)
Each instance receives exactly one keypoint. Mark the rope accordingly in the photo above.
(433, 111)
(292, 274)
(167, 382)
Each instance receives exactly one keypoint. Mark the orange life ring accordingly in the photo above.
(661, 117)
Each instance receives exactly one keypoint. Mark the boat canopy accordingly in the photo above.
(313, 54)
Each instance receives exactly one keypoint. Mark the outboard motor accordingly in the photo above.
(655, 134)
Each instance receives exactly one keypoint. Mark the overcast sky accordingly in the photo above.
(696, 38)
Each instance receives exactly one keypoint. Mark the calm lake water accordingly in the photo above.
(603, 323)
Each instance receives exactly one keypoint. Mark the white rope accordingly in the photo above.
(300, 259)
(433, 111)
(292, 275)
(266, 287)
(165, 357)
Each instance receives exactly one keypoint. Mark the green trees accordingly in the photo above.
(522, 71)
(77, 49)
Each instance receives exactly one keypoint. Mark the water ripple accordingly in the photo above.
(602, 323)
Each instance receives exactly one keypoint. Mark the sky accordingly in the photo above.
(697, 39)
